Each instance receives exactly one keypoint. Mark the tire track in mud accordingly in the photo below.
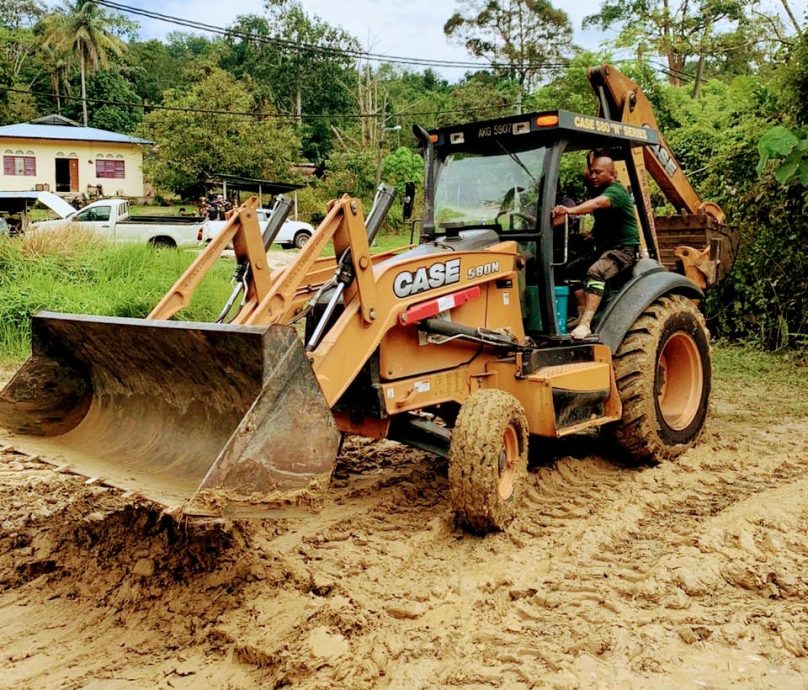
(634, 546)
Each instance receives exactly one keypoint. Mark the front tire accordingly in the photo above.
(488, 460)
(663, 373)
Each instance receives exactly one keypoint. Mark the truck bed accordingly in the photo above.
(165, 220)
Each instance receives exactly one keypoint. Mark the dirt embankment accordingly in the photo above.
(691, 574)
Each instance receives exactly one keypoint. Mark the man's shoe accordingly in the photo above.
(581, 332)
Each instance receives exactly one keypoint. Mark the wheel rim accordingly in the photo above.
(680, 381)
(508, 456)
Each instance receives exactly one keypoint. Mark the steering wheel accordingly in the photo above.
(530, 220)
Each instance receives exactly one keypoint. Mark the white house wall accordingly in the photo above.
(47, 151)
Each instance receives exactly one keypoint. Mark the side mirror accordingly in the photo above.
(409, 200)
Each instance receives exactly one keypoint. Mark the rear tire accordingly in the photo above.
(163, 243)
(663, 374)
(488, 460)
(301, 238)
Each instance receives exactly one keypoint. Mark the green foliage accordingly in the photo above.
(351, 172)
(400, 167)
(699, 28)
(570, 90)
(154, 67)
(479, 96)
(519, 33)
(93, 278)
(87, 33)
(315, 80)
(191, 146)
(791, 151)
(764, 300)
(109, 85)
(795, 80)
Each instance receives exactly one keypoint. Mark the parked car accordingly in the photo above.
(293, 233)
(110, 218)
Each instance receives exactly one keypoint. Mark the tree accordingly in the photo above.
(521, 38)
(88, 33)
(479, 96)
(111, 85)
(298, 64)
(677, 32)
(191, 145)
(18, 44)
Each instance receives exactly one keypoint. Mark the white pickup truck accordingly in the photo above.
(110, 218)
(293, 233)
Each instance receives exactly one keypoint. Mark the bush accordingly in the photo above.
(764, 300)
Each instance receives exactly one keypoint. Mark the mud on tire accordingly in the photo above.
(488, 460)
(663, 374)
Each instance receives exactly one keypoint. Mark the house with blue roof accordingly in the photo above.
(56, 154)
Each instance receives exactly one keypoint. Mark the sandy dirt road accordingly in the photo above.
(693, 574)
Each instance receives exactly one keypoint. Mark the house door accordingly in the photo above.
(67, 174)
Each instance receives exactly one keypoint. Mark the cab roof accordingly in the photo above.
(535, 128)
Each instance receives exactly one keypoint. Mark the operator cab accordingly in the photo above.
(499, 179)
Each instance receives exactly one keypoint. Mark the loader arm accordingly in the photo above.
(243, 231)
(700, 223)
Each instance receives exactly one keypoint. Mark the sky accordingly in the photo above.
(407, 28)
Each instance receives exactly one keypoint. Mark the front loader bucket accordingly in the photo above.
(220, 420)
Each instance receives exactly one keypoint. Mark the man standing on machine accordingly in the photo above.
(616, 236)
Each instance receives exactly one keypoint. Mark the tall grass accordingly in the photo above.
(75, 271)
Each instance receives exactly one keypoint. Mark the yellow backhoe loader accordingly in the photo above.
(457, 345)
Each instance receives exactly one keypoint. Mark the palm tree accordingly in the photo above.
(58, 63)
(82, 28)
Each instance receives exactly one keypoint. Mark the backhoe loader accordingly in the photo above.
(457, 345)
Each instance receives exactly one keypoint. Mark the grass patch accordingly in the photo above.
(161, 210)
(73, 271)
(737, 364)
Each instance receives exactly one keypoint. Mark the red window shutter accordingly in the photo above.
(30, 165)
(8, 165)
(99, 168)
(119, 170)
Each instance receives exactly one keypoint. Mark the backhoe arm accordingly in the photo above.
(697, 237)
(622, 99)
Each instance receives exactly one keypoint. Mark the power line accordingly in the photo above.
(256, 115)
(323, 50)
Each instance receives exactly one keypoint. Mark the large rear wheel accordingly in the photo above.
(488, 460)
(663, 374)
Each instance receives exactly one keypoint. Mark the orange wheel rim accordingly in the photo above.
(508, 456)
(679, 380)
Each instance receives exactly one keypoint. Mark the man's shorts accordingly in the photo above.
(596, 268)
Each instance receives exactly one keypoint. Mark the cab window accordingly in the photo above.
(96, 213)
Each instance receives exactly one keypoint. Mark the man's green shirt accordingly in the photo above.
(617, 225)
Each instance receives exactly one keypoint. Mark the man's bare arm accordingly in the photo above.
(588, 206)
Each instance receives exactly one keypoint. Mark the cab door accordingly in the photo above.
(98, 218)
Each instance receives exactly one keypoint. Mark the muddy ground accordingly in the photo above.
(693, 574)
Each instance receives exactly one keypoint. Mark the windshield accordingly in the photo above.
(474, 189)
(95, 213)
